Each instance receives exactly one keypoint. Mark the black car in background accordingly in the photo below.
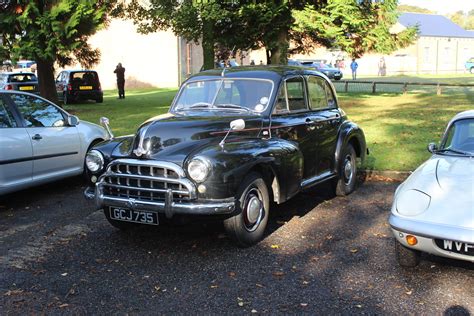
(75, 85)
(19, 81)
(232, 142)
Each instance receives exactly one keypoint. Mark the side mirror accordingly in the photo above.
(237, 125)
(432, 147)
(72, 120)
(105, 122)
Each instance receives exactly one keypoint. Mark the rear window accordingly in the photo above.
(84, 78)
(22, 78)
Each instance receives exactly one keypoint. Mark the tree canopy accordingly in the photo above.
(282, 27)
(54, 31)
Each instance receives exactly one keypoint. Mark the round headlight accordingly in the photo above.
(94, 160)
(412, 202)
(198, 169)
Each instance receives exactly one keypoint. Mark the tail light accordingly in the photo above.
(69, 87)
(8, 87)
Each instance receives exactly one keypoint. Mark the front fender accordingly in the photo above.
(232, 163)
(350, 132)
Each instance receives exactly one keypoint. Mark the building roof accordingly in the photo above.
(433, 25)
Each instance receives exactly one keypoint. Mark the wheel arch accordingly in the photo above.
(270, 178)
(350, 133)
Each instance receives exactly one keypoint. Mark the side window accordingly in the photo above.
(6, 117)
(330, 96)
(317, 93)
(59, 77)
(295, 92)
(38, 113)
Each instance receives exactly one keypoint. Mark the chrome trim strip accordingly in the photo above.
(317, 179)
(118, 186)
(153, 163)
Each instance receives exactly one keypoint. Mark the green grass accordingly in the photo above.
(397, 127)
(449, 79)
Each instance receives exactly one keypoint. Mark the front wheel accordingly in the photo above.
(407, 257)
(247, 227)
(346, 182)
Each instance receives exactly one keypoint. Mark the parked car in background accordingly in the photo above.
(19, 81)
(40, 142)
(470, 65)
(76, 85)
(231, 142)
(230, 63)
(433, 210)
(331, 72)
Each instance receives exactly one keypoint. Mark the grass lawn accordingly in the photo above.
(449, 79)
(397, 127)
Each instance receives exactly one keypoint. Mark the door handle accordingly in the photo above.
(37, 137)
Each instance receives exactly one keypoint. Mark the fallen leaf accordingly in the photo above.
(214, 286)
(275, 246)
(259, 285)
(64, 274)
(253, 311)
(359, 306)
(281, 222)
(409, 292)
(232, 274)
(241, 304)
(63, 305)
(305, 282)
(304, 304)
(13, 292)
(278, 273)
(354, 250)
(157, 288)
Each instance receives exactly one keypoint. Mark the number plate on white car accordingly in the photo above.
(456, 246)
(140, 217)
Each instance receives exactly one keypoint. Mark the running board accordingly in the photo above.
(307, 183)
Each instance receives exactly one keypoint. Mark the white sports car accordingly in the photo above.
(433, 210)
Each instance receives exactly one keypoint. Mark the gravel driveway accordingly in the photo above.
(322, 255)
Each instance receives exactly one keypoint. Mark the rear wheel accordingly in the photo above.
(100, 99)
(247, 227)
(407, 257)
(345, 185)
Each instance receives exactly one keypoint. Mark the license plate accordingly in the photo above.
(85, 87)
(140, 217)
(27, 88)
(456, 246)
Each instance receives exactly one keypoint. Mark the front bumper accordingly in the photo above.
(426, 233)
(168, 207)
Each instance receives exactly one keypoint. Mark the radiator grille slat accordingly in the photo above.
(144, 182)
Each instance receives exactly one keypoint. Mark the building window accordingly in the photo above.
(426, 54)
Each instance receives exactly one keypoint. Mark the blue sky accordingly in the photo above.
(442, 6)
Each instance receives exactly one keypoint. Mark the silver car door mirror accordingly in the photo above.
(72, 120)
(432, 147)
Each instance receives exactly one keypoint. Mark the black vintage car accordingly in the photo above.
(234, 140)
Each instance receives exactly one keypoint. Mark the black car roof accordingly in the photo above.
(274, 73)
(17, 73)
(79, 70)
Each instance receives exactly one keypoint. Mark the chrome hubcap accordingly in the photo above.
(253, 211)
(348, 170)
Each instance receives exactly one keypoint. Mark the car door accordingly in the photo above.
(16, 164)
(292, 120)
(328, 120)
(56, 146)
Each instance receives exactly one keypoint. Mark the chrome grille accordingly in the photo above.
(145, 181)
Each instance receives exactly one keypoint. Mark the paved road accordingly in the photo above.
(323, 255)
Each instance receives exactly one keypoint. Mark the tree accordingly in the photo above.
(52, 31)
(282, 27)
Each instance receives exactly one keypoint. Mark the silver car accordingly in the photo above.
(433, 210)
(40, 142)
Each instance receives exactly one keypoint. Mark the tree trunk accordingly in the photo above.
(47, 87)
(280, 50)
(269, 58)
(208, 45)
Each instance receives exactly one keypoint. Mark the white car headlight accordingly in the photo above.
(412, 202)
(199, 168)
(94, 160)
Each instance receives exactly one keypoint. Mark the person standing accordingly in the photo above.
(354, 66)
(382, 67)
(120, 73)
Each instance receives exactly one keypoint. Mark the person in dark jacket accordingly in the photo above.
(120, 72)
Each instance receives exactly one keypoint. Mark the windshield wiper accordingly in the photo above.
(232, 106)
(460, 152)
(200, 105)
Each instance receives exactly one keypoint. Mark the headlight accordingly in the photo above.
(198, 169)
(94, 160)
(412, 202)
